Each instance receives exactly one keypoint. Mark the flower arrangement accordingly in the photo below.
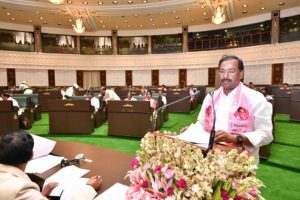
(167, 168)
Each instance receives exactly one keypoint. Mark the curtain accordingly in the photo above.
(91, 79)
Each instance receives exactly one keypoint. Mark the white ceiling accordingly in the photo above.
(154, 14)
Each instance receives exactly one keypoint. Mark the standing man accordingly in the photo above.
(251, 131)
(108, 94)
(16, 149)
(25, 87)
(72, 91)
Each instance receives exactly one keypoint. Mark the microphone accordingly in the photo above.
(78, 158)
(212, 131)
(154, 115)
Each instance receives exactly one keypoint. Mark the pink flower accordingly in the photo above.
(234, 185)
(253, 192)
(224, 194)
(157, 169)
(135, 162)
(170, 191)
(169, 173)
(158, 184)
(145, 184)
(181, 183)
(146, 166)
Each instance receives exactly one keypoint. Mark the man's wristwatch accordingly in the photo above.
(239, 139)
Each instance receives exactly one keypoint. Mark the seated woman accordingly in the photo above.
(129, 97)
(153, 102)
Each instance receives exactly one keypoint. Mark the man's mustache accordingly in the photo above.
(225, 80)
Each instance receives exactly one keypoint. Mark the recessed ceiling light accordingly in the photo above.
(103, 26)
(262, 8)
(85, 3)
(128, 26)
(151, 20)
(206, 19)
(261, 25)
(153, 24)
(44, 22)
(101, 21)
(100, 3)
(187, 9)
(70, 20)
(136, 15)
(8, 13)
(178, 22)
(41, 18)
(245, 11)
(174, 11)
(226, 30)
(244, 5)
(295, 23)
(141, 26)
(69, 2)
(115, 2)
(30, 21)
(130, 2)
(145, 1)
(281, 3)
(166, 23)
(117, 26)
(125, 21)
(12, 19)
(192, 20)
(161, 13)
(177, 17)
(37, 12)
(204, 13)
(59, 24)
(202, 7)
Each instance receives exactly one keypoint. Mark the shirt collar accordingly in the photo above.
(232, 93)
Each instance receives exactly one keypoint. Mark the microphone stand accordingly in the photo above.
(212, 131)
(154, 115)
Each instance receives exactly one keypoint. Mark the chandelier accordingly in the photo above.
(57, 1)
(219, 15)
(78, 27)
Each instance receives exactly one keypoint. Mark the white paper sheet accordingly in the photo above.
(73, 188)
(115, 192)
(42, 146)
(195, 134)
(42, 164)
(65, 177)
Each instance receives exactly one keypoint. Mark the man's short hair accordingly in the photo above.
(16, 148)
(231, 57)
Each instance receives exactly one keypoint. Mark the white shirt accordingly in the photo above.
(25, 88)
(15, 103)
(164, 99)
(261, 133)
(132, 99)
(69, 92)
(95, 102)
(111, 95)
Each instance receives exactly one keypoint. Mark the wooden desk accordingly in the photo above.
(110, 164)
(183, 106)
(8, 117)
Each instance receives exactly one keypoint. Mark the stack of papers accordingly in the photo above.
(42, 164)
(195, 134)
(115, 192)
(65, 177)
(42, 146)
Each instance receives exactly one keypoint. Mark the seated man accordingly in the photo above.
(94, 101)
(16, 149)
(108, 94)
(25, 87)
(163, 98)
(7, 97)
(129, 97)
(285, 87)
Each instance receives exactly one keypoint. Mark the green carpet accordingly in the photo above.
(280, 174)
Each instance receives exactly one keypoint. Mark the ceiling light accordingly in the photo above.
(12, 19)
(244, 5)
(44, 22)
(177, 17)
(100, 3)
(161, 13)
(192, 20)
(204, 13)
(103, 26)
(245, 11)
(187, 9)
(202, 7)
(101, 21)
(115, 2)
(262, 8)
(206, 19)
(226, 30)
(8, 13)
(145, 1)
(174, 11)
(70, 20)
(59, 24)
(125, 21)
(129, 26)
(130, 2)
(281, 3)
(78, 27)
(151, 20)
(261, 25)
(219, 15)
(37, 12)
(136, 15)
(153, 24)
(117, 26)
(57, 1)
(41, 18)
(141, 26)
(85, 3)
(30, 21)
(166, 23)
(69, 2)
(178, 22)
